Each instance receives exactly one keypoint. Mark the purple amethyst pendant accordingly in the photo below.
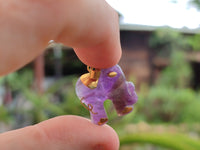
(98, 85)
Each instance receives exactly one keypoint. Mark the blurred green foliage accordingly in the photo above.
(172, 141)
(195, 3)
(170, 105)
(4, 115)
(165, 40)
(59, 99)
(194, 42)
(178, 74)
(171, 99)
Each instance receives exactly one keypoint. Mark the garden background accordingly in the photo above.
(166, 116)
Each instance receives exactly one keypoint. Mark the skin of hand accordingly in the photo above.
(61, 133)
(91, 28)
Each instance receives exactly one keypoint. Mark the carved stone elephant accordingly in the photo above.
(99, 85)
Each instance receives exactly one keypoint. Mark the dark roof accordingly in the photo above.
(136, 27)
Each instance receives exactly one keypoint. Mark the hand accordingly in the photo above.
(61, 133)
(91, 28)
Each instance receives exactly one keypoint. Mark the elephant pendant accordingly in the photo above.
(95, 87)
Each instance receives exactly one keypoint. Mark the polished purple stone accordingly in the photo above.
(117, 89)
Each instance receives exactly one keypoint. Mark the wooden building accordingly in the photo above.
(137, 61)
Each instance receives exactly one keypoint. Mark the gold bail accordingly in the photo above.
(91, 79)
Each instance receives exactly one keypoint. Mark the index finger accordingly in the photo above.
(89, 26)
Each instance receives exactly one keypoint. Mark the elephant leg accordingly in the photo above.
(121, 107)
(123, 98)
(97, 111)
